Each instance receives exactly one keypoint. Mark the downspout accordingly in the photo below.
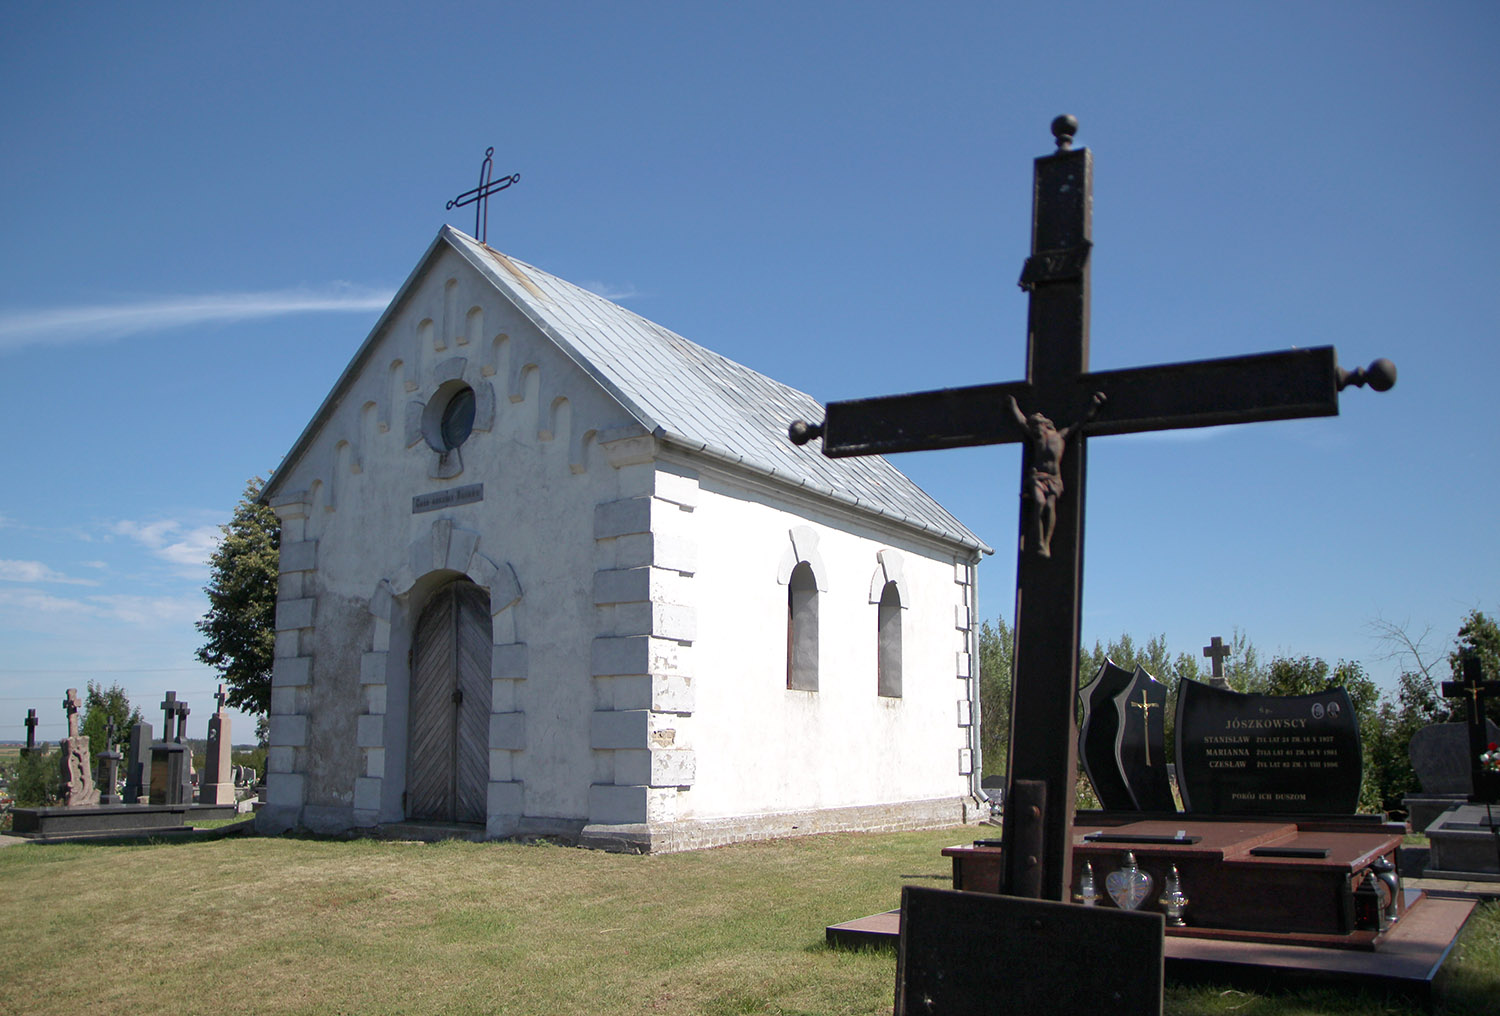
(976, 752)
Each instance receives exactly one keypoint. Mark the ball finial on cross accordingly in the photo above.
(1063, 129)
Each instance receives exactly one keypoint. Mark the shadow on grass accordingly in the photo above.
(208, 833)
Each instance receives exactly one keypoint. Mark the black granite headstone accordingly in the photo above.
(946, 956)
(1241, 754)
(138, 764)
(1141, 745)
(1101, 729)
(1440, 757)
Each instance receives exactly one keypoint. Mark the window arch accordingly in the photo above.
(888, 642)
(802, 629)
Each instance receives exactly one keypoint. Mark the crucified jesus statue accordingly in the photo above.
(1043, 483)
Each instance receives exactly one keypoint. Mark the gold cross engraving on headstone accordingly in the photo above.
(1145, 707)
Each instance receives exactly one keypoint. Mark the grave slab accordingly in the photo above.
(1407, 963)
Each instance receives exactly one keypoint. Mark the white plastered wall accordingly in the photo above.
(367, 561)
(763, 748)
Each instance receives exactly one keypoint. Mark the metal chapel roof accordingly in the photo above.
(690, 397)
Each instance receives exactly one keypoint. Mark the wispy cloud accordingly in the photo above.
(35, 571)
(185, 546)
(58, 325)
(136, 611)
(612, 291)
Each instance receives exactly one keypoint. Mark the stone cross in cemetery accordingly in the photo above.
(170, 778)
(31, 722)
(77, 782)
(1475, 689)
(169, 714)
(1037, 832)
(1216, 650)
(217, 784)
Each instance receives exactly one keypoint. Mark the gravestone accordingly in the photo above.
(1465, 840)
(31, 722)
(1099, 731)
(138, 764)
(1124, 740)
(1440, 757)
(1141, 743)
(109, 767)
(77, 782)
(1243, 754)
(217, 785)
(171, 761)
(1474, 690)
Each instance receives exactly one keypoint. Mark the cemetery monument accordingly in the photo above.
(217, 785)
(77, 781)
(1283, 877)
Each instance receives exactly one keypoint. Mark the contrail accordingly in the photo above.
(114, 321)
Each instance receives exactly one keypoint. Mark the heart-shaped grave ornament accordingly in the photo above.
(1128, 885)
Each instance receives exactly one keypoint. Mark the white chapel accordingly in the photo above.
(550, 568)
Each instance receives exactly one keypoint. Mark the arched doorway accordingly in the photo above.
(449, 768)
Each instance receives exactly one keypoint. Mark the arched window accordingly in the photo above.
(888, 646)
(802, 629)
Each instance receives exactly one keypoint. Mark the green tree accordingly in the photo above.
(996, 643)
(240, 626)
(1308, 675)
(1480, 635)
(38, 781)
(100, 706)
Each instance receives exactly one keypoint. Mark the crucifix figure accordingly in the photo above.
(1145, 707)
(1037, 835)
(1043, 480)
(479, 197)
(1474, 689)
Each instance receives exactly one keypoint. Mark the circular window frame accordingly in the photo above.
(443, 420)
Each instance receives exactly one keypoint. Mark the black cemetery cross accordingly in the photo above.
(1475, 689)
(169, 710)
(1059, 387)
(31, 722)
(479, 197)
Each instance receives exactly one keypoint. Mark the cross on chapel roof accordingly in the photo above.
(480, 196)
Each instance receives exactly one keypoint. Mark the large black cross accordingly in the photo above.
(1475, 689)
(1037, 835)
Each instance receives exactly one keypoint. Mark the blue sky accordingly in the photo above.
(205, 207)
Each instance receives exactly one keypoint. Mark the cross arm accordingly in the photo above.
(1207, 393)
(923, 421)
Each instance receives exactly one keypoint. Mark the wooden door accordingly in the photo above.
(450, 707)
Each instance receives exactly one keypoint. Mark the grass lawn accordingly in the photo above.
(249, 925)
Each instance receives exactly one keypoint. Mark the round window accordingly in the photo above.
(458, 418)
